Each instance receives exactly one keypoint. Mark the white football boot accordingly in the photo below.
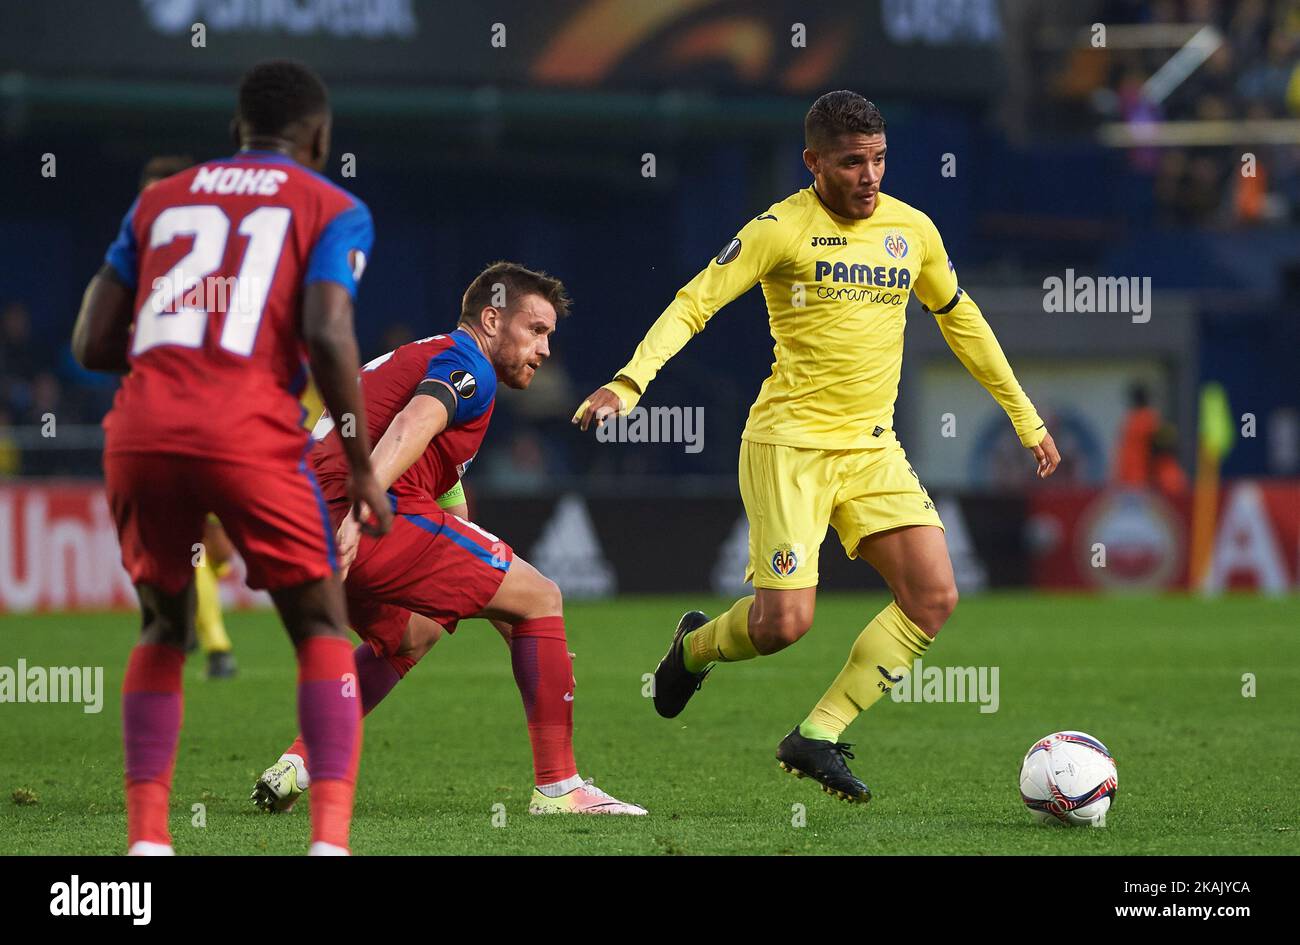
(586, 798)
(281, 785)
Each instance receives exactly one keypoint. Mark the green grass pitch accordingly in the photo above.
(1203, 769)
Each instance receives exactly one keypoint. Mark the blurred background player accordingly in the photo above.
(1133, 447)
(209, 623)
(429, 405)
(1146, 454)
(289, 247)
(838, 261)
(214, 563)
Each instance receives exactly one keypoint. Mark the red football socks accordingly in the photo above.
(329, 717)
(539, 655)
(151, 725)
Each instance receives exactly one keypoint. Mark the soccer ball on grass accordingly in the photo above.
(1069, 778)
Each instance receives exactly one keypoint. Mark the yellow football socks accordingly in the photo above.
(883, 652)
(209, 626)
(724, 639)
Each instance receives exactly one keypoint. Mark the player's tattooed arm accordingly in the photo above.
(335, 364)
(103, 331)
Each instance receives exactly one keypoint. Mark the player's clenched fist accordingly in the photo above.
(347, 538)
(616, 397)
(369, 498)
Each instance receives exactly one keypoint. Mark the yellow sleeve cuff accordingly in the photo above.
(1033, 437)
(627, 393)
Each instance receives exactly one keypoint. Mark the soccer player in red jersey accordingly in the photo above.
(222, 277)
(428, 405)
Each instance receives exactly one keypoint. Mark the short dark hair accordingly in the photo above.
(163, 166)
(840, 113)
(515, 281)
(278, 93)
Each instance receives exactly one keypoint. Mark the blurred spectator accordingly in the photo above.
(1208, 94)
(87, 395)
(521, 467)
(1133, 451)
(164, 166)
(47, 396)
(1254, 74)
(16, 353)
(18, 362)
(395, 336)
(1146, 455)
(1136, 110)
(1166, 475)
(1265, 79)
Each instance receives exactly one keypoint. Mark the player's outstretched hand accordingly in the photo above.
(1047, 456)
(600, 406)
(619, 396)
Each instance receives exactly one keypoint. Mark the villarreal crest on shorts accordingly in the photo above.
(791, 495)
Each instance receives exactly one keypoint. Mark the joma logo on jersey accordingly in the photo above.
(830, 241)
(891, 277)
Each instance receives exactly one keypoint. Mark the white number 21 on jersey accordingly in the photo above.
(166, 318)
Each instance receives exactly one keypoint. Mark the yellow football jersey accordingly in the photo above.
(836, 290)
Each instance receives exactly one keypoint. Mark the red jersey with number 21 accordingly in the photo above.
(218, 256)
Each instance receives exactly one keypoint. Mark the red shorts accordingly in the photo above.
(437, 565)
(276, 518)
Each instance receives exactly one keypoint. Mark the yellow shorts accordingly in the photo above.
(792, 494)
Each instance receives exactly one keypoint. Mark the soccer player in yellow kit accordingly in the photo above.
(838, 262)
